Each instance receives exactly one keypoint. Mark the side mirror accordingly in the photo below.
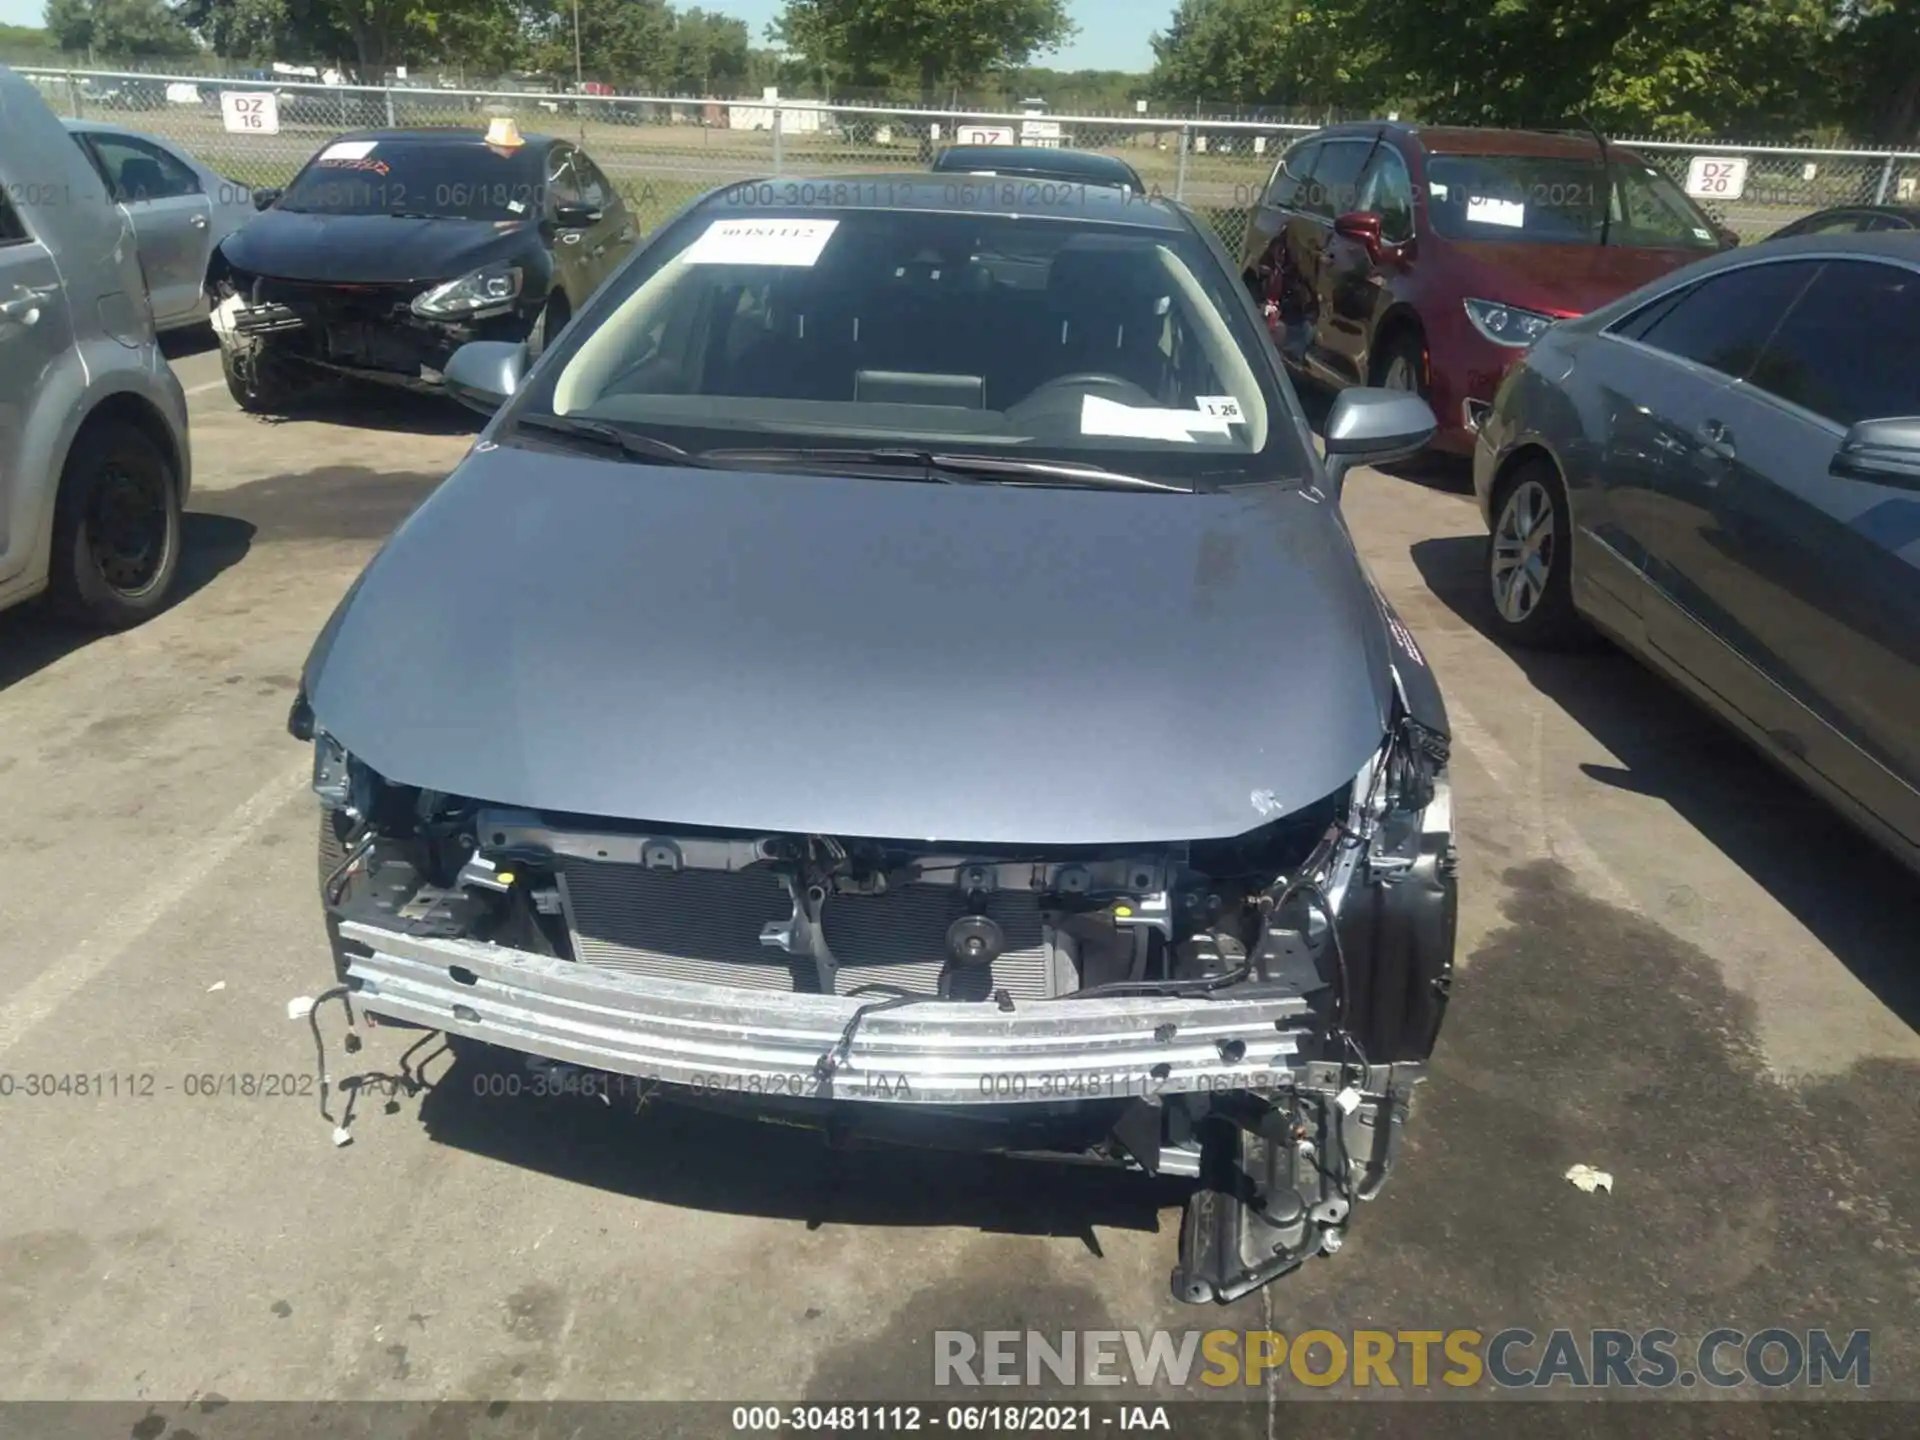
(1885, 452)
(1362, 226)
(1374, 427)
(264, 197)
(483, 374)
(1727, 236)
(574, 217)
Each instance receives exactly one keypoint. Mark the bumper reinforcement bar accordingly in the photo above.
(931, 1052)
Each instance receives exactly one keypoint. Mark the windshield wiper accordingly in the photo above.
(958, 469)
(1054, 472)
(628, 442)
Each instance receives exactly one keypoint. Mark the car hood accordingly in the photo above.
(1565, 278)
(372, 249)
(861, 657)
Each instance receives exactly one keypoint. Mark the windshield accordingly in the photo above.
(1027, 338)
(1557, 200)
(442, 180)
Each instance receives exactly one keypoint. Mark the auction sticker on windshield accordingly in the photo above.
(761, 242)
(1099, 416)
(1484, 211)
(347, 150)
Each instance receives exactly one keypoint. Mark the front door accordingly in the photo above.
(1660, 374)
(1334, 190)
(1353, 282)
(1814, 578)
(616, 232)
(35, 331)
(171, 215)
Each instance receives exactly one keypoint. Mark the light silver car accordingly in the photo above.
(94, 461)
(1722, 472)
(178, 207)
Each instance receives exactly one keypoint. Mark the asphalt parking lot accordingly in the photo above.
(1674, 967)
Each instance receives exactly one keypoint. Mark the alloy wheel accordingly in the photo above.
(1523, 552)
(1401, 375)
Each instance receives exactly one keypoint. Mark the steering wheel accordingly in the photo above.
(1087, 379)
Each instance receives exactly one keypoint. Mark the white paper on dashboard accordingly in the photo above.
(1483, 211)
(1223, 407)
(761, 242)
(348, 150)
(1107, 417)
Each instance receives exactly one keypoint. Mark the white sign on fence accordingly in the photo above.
(1045, 133)
(1717, 177)
(250, 112)
(985, 135)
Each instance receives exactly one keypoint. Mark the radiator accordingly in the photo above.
(704, 926)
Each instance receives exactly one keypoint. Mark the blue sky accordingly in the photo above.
(1113, 33)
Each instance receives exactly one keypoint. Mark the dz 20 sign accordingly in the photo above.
(1717, 177)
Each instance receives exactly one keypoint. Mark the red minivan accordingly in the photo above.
(1427, 259)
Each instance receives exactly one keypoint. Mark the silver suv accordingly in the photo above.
(94, 463)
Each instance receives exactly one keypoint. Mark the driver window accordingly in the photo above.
(1388, 192)
(562, 188)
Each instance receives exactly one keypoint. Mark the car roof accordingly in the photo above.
(1892, 244)
(442, 135)
(1481, 140)
(932, 192)
(1909, 213)
(1088, 164)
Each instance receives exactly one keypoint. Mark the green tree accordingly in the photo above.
(707, 53)
(113, 28)
(1648, 66)
(1258, 52)
(932, 43)
(1872, 62)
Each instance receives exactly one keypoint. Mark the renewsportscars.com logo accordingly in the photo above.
(1510, 1359)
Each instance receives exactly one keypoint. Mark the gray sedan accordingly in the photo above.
(179, 209)
(1721, 471)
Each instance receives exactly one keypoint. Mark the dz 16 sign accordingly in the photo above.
(1717, 177)
(250, 112)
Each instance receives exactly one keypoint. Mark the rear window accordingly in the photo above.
(1032, 337)
(437, 179)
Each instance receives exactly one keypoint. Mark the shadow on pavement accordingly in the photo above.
(31, 638)
(1856, 899)
(370, 406)
(698, 1157)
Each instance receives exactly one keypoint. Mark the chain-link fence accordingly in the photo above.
(663, 151)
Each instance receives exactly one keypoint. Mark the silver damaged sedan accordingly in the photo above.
(896, 663)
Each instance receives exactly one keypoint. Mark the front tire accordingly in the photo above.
(1401, 364)
(1529, 563)
(260, 383)
(116, 528)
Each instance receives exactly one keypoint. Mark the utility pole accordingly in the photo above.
(579, 78)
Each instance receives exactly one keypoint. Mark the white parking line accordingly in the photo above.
(64, 978)
(208, 385)
(1545, 824)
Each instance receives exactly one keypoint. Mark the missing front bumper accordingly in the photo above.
(715, 1038)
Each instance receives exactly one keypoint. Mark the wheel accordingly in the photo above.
(1530, 560)
(549, 323)
(260, 383)
(1401, 364)
(116, 528)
